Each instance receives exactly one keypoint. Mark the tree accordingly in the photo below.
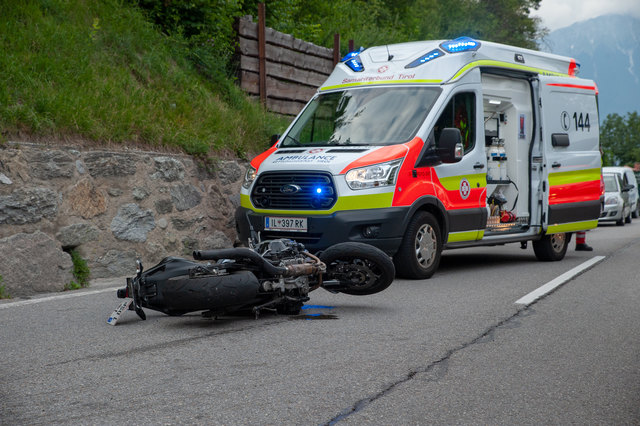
(620, 139)
(207, 25)
(375, 22)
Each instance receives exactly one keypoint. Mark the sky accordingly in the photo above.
(557, 14)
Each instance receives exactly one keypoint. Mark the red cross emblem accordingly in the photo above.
(465, 189)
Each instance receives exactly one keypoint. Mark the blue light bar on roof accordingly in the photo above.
(434, 54)
(461, 44)
(351, 55)
(352, 60)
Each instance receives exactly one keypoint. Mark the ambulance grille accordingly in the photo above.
(294, 191)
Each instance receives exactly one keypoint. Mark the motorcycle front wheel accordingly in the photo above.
(362, 268)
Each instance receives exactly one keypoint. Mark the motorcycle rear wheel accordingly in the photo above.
(364, 269)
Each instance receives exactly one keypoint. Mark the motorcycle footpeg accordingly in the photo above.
(333, 286)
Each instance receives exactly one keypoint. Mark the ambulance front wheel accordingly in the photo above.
(419, 254)
(551, 247)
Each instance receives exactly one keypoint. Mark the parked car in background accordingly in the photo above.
(616, 200)
(628, 178)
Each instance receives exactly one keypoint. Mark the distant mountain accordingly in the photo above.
(608, 50)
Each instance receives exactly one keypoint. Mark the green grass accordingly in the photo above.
(98, 71)
(72, 285)
(3, 291)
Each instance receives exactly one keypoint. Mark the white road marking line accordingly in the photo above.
(553, 284)
(66, 295)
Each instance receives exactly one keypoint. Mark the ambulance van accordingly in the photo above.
(424, 146)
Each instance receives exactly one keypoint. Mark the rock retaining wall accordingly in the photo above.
(110, 206)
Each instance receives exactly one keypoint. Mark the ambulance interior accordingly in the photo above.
(508, 133)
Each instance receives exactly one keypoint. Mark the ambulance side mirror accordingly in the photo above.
(450, 149)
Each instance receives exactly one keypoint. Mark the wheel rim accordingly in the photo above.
(426, 245)
(558, 242)
(359, 273)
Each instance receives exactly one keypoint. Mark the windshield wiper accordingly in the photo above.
(294, 140)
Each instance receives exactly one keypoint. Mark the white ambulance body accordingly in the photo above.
(424, 146)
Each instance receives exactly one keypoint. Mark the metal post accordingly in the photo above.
(262, 61)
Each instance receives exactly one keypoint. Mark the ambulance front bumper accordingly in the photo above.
(382, 228)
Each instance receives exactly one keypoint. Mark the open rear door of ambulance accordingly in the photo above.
(572, 164)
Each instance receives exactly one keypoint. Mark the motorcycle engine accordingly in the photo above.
(284, 252)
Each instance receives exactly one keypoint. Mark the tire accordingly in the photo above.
(620, 222)
(636, 213)
(628, 218)
(364, 268)
(551, 247)
(419, 254)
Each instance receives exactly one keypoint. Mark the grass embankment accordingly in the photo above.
(98, 71)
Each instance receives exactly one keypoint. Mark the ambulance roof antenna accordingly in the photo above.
(390, 56)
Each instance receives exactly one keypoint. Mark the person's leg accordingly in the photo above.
(581, 242)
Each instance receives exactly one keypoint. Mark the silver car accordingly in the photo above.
(628, 178)
(616, 200)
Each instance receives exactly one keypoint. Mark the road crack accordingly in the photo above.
(438, 367)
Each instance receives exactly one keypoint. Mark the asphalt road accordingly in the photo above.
(455, 349)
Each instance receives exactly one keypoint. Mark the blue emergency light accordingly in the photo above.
(461, 44)
(434, 54)
(352, 60)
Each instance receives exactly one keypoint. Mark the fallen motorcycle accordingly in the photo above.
(273, 275)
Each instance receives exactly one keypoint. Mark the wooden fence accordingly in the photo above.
(283, 71)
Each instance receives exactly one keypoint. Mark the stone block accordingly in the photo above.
(132, 223)
(33, 263)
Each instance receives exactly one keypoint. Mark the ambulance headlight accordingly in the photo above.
(249, 177)
(377, 175)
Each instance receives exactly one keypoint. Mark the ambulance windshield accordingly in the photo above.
(363, 116)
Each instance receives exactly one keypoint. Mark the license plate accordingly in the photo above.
(295, 224)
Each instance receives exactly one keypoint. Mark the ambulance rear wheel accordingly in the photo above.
(551, 247)
(419, 254)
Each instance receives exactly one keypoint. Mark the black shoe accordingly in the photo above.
(583, 247)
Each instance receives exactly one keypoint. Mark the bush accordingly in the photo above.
(80, 270)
